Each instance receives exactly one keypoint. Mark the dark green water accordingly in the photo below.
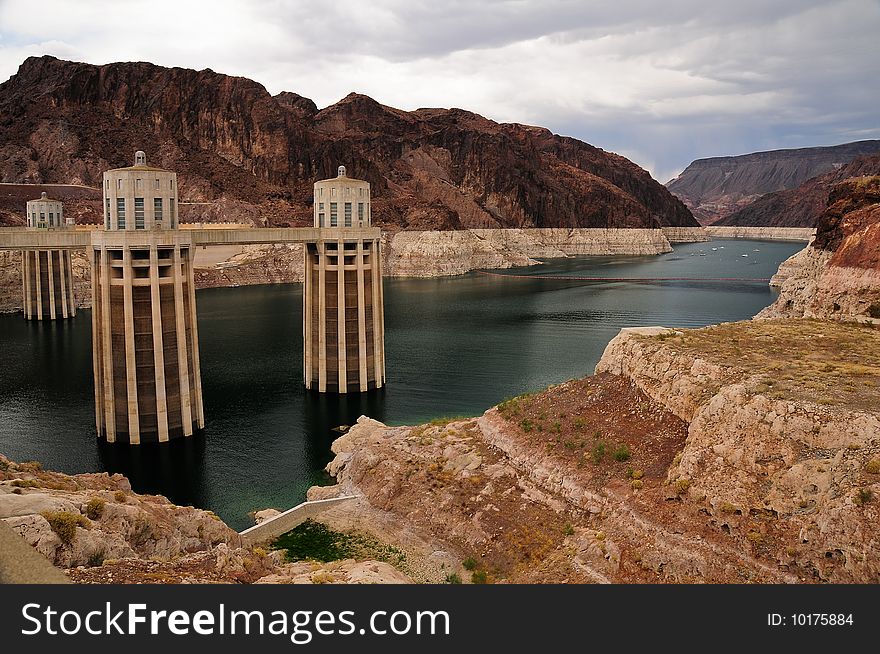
(454, 346)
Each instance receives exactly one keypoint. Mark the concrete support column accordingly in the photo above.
(182, 362)
(71, 296)
(363, 382)
(378, 334)
(50, 270)
(158, 350)
(134, 430)
(26, 283)
(39, 286)
(322, 319)
(62, 277)
(342, 368)
(307, 316)
(196, 365)
(97, 356)
(101, 324)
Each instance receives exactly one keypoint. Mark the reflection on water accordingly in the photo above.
(454, 346)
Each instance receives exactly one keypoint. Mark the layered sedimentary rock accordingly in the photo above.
(685, 234)
(765, 233)
(432, 253)
(244, 155)
(838, 275)
(801, 206)
(681, 460)
(718, 186)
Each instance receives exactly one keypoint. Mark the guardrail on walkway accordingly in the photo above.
(284, 522)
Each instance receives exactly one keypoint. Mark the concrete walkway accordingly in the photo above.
(273, 527)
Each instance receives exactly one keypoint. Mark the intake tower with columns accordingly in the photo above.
(46, 275)
(145, 340)
(343, 317)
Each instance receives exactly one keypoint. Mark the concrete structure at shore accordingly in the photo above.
(145, 341)
(47, 275)
(343, 316)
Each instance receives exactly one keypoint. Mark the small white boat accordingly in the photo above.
(743, 255)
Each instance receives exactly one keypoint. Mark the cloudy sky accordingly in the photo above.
(661, 82)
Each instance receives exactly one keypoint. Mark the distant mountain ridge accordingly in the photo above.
(244, 155)
(716, 187)
(804, 205)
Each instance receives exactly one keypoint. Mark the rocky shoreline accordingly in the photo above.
(728, 479)
(715, 455)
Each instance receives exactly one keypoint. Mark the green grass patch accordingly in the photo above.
(445, 420)
(315, 541)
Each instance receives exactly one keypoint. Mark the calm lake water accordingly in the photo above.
(454, 346)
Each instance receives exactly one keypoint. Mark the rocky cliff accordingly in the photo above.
(98, 530)
(244, 155)
(712, 455)
(716, 187)
(801, 206)
(838, 275)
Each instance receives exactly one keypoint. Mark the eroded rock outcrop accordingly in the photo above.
(838, 275)
(681, 460)
(95, 528)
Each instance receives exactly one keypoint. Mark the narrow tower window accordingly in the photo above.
(120, 213)
(333, 217)
(348, 214)
(138, 213)
(157, 208)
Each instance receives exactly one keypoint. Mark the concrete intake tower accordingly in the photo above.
(145, 340)
(46, 275)
(343, 317)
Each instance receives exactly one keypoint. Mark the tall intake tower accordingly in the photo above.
(343, 317)
(46, 275)
(144, 337)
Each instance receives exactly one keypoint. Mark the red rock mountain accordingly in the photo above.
(801, 206)
(850, 225)
(245, 155)
(719, 186)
